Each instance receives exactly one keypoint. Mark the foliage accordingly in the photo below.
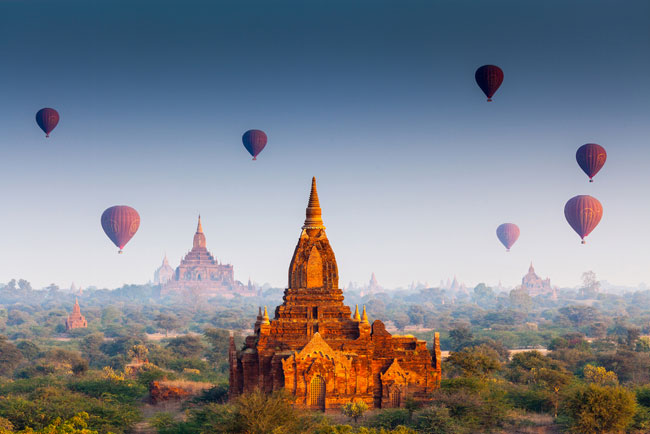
(596, 409)
(78, 424)
(480, 361)
(600, 375)
(354, 410)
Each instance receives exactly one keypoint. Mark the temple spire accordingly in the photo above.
(356, 316)
(265, 319)
(199, 236)
(364, 316)
(314, 219)
(531, 269)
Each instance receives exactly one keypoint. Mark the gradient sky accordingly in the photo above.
(377, 99)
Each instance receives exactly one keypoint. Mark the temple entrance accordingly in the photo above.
(317, 392)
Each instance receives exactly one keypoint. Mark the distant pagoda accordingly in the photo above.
(75, 320)
(318, 351)
(536, 286)
(199, 273)
(164, 273)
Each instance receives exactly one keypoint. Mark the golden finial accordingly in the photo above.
(266, 320)
(364, 317)
(356, 313)
(314, 218)
(199, 228)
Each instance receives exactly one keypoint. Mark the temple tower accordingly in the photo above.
(319, 352)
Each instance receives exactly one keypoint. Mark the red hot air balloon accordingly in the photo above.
(508, 233)
(583, 214)
(489, 78)
(254, 141)
(591, 158)
(47, 118)
(120, 224)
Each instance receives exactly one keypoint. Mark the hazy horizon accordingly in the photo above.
(415, 169)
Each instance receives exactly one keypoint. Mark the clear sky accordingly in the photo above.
(377, 99)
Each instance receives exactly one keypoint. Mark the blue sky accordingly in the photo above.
(375, 98)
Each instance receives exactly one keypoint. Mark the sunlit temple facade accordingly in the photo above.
(321, 353)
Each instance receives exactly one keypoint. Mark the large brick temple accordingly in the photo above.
(201, 274)
(318, 351)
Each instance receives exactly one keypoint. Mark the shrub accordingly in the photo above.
(596, 409)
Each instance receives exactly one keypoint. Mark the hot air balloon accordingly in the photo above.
(583, 214)
(47, 118)
(489, 78)
(120, 223)
(254, 141)
(591, 158)
(508, 234)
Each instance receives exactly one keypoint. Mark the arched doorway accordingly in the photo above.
(395, 398)
(317, 392)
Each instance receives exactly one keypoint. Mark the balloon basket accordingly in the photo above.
(583, 242)
(47, 136)
(507, 250)
(254, 158)
(120, 252)
(591, 180)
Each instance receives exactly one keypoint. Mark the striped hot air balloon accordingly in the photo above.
(47, 119)
(254, 141)
(120, 223)
(583, 214)
(489, 78)
(591, 158)
(508, 233)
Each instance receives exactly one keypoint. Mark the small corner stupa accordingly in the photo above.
(318, 351)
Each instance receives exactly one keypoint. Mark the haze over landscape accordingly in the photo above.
(415, 170)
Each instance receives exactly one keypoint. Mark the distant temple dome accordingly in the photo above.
(75, 320)
(164, 273)
(535, 285)
(321, 353)
(199, 273)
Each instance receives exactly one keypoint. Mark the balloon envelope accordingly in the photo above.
(120, 223)
(508, 233)
(47, 118)
(254, 141)
(591, 158)
(583, 214)
(489, 78)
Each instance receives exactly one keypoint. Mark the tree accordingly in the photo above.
(24, 285)
(460, 337)
(354, 410)
(479, 361)
(10, 356)
(520, 298)
(417, 314)
(531, 367)
(138, 352)
(596, 409)
(590, 285)
(187, 346)
(167, 322)
(600, 375)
